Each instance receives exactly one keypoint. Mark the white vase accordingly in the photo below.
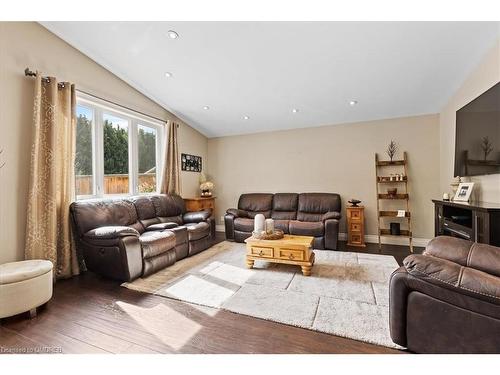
(258, 225)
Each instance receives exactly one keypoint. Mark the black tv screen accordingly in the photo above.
(477, 142)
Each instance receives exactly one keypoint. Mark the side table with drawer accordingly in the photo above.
(200, 203)
(356, 226)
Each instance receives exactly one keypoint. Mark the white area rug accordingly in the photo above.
(346, 295)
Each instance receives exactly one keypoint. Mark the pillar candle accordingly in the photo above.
(269, 226)
(258, 225)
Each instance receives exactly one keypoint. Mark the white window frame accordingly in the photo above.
(101, 107)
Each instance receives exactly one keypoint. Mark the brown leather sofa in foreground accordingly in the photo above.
(305, 214)
(128, 238)
(448, 299)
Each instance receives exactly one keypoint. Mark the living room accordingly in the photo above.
(249, 187)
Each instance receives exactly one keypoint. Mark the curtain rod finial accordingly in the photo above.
(28, 72)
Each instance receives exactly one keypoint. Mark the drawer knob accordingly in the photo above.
(290, 256)
(261, 252)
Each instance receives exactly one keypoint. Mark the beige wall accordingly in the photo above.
(30, 45)
(337, 158)
(486, 74)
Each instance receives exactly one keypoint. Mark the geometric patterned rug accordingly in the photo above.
(346, 295)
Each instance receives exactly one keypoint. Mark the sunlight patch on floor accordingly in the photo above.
(169, 326)
(229, 273)
(197, 290)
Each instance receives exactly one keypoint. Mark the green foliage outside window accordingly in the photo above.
(115, 148)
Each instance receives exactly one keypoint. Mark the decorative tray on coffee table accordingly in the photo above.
(276, 235)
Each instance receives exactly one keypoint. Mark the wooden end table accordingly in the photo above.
(296, 250)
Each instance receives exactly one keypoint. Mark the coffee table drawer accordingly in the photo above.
(266, 252)
(290, 254)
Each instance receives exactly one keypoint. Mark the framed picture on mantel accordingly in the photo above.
(464, 191)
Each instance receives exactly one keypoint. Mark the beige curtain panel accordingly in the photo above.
(51, 189)
(171, 183)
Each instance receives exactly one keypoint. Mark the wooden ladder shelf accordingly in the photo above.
(385, 181)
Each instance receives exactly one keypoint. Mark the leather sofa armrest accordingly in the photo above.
(398, 301)
(331, 234)
(331, 215)
(110, 232)
(196, 217)
(99, 252)
(449, 275)
(237, 212)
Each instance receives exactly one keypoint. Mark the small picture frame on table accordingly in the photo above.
(464, 191)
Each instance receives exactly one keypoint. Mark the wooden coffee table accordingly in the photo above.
(290, 249)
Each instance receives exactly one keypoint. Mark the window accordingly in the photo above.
(146, 144)
(84, 166)
(115, 138)
(117, 151)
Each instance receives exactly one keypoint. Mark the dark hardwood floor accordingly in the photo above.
(91, 314)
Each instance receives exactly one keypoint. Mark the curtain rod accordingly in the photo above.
(30, 73)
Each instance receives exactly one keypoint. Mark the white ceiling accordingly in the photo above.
(265, 69)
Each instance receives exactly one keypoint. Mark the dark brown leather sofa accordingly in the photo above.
(305, 214)
(128, 238)
(448, 299)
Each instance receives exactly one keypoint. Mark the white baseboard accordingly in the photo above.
(371, 238)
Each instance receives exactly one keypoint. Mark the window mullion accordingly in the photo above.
(100, 153)
(133, 157)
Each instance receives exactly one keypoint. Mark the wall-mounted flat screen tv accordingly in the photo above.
(477, 143)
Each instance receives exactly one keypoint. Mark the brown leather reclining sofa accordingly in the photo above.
(448, 299)
(305, 214)
(128, 238)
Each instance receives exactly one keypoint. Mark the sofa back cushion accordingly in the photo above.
(94, 213)
(256, 203)
(312, 206)
(480, 256)
(145, 210)
(285, 206)
(168, 208)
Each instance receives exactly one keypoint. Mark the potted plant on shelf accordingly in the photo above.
(392, 149)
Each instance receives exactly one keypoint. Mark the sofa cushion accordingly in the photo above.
(480, 256)
(453, 276)
(181, 235)
(171, 219)
(282, 225)
(243, 224)
(156, 243)
(144, 206)
(94, 213)
(157, 263)
(312, 206)
(305, 228)
(197, 231)
(236, 212)
(256, 203)
(285, 206)
(166, 205)
(162, 226)
(197, 216)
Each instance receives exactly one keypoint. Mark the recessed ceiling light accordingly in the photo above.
(168, 74)
(246, 117)
(172, 34)
(295, 110)
(352, 103)
(206, 107)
